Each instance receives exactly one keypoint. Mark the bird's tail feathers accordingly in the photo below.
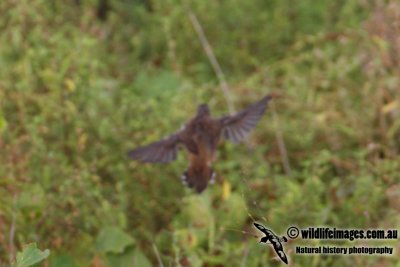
(198, 178)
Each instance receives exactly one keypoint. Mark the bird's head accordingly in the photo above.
(203, 110)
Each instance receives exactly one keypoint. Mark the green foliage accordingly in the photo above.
(78, 92)
(30, 255)
(112, 239)
(3, 123)
(130, 257)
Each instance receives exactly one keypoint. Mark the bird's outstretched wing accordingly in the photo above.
(262, 228)
(237, 126)
(163, 151)
(268, 233)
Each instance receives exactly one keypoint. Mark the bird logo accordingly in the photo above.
(274, 240)
(200, 137)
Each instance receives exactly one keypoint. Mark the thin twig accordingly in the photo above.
(211, 57)
(13, 227)
(246, 254)
(157, 255)
(281, 143)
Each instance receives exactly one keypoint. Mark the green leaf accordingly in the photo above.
(62, 260)
(140, 259)
(3, 123)
(131, 257)
(30, 255)
(113, 239)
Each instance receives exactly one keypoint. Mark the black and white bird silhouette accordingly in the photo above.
(274, 240)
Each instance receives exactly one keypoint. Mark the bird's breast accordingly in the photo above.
(209, 134)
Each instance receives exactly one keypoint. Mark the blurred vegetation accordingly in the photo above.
(82, 82)
(30, 256)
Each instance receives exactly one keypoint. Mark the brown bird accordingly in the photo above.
(200, 137)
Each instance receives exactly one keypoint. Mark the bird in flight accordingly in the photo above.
(274, 240)
(200, 136)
